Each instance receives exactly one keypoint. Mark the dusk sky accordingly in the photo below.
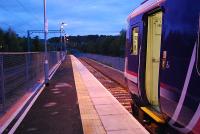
(82, 16)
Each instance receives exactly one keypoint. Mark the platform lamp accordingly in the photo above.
(65, 42)
(62, 24)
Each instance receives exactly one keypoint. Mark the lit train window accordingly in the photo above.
(134, 50)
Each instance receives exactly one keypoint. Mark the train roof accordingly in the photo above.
(145, 6)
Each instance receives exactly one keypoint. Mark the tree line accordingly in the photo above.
(12, 42)
(96, 44)
(103, 44)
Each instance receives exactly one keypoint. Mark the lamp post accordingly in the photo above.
(65, 42)
(46, 64)
(61, 30)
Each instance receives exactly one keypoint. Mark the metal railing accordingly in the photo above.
(19, 72)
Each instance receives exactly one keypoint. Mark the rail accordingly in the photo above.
(115, 62)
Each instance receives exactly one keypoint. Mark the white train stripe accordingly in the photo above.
(131, 77)
(194, 120)
(139, 71)
(185, 87)
(148, 5)
(165, 93)
(198, 71)
(191, 124)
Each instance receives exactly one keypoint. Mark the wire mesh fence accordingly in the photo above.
(21, 71)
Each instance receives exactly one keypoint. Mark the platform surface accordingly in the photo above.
(93, 96)
(56, 110)
(75, 103)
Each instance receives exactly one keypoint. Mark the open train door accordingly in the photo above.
(153, 58)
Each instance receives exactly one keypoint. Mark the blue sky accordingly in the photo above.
(82, 16)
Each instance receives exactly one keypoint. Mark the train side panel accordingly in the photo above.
(132, 60)
(179, 80)
(179, 88)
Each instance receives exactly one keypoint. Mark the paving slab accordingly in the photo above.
(113, 116)
(91, 122)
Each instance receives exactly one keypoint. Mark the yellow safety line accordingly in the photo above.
(90, 119)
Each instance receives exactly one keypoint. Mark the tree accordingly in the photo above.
(11, 42)
(122, 42)
(36, 44)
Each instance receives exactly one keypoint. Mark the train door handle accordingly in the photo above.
(155, 60)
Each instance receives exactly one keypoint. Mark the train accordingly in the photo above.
(162, 63)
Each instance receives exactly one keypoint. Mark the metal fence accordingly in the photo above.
(21, 71)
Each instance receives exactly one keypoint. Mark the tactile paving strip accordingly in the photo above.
(90, 120)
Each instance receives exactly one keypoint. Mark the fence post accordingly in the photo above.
(28, 41)
(57, 57)
(27, 65)
(2, 91)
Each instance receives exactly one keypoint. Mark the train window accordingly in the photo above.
(134, 50)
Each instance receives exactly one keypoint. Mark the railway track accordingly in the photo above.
(112, 79)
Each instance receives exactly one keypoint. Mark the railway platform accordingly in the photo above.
(75, 102)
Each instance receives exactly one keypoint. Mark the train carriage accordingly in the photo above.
(162, 63)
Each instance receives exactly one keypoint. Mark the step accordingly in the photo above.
(159, 118)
